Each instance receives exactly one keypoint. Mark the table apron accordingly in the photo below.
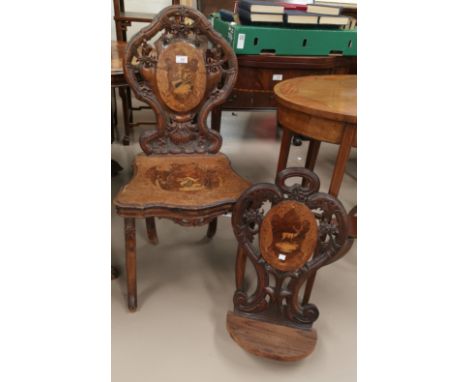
(320, 129)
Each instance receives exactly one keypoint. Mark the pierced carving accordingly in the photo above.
(182, 68)
(303, 231)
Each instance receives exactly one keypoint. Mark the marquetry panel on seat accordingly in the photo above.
(181, 181)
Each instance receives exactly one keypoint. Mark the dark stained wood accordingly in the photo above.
(118, 81)
(114, 272)
(130, 263)
(241, 261)
(353, 222)
(207, 7)
(284, 150)
(138, 17)
(308, 288)
(254, 86)
(212, 228)
(288, 235)
(269, 340)
(182, 69)
(151, 230)
(180, 130)
(312, 229)
(312, 154)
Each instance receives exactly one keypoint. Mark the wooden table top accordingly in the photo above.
(330, 96)
(117, 56)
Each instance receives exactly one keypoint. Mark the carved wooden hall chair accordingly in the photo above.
(287, 233)
(182, 68)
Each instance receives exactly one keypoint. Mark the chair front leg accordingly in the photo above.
(130, 263)
(151, 230)
(212, 228)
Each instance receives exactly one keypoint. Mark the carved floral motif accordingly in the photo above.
(181, 84)
(279, 301)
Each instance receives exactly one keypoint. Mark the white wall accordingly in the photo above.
(149, 6)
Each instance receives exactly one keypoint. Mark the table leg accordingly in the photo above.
(341, 159)
(312, 154)
(284, 150)
(125, 108)
(114, 131)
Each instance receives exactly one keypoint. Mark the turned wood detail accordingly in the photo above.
(303, 230)
(182, 68)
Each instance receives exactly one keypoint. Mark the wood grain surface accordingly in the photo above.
(265, 339)
(288, 235)
(330, 96)
(180, 76)
(117, 55)
(181, 181)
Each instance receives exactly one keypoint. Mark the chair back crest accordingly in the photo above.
(182, 68)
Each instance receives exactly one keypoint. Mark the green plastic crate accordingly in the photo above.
(253, 39)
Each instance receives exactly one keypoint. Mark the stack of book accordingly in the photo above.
(323, 13)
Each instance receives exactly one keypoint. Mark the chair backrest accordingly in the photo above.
(182, 68)
(302, 231)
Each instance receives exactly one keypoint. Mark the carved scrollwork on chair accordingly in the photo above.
(182, 68)
(299, 230)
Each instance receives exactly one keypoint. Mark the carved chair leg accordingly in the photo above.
(130, 263)
(212, 228)
(240, 267)
(151, 230)
(308, 288)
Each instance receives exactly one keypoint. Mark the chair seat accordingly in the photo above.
(190, 182)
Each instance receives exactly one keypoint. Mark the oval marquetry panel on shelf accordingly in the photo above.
(181, 76)
(288, 235)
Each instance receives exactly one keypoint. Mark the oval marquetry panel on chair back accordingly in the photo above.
(182, 68)
(298, 230)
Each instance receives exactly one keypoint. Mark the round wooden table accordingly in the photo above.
(323, 109)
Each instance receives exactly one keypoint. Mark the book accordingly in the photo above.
(247, 17)
(338, 3)
(323, 10)
(294, 7)
(254, 6)
(334, 20)
(300, 17)
(351, 24)
(226, 15)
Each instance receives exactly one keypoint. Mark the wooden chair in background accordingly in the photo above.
(299, 230)
(182, 68)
